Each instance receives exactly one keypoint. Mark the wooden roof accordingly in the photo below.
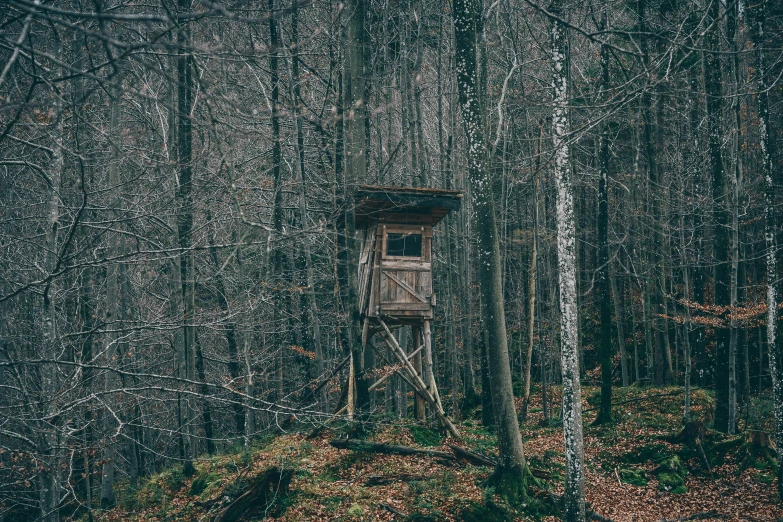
(372, 200)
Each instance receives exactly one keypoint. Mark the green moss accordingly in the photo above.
(670, 475)
(423, 517)
(128, 498)
(669, 481)
(201, 482)
(635, 477)
(649, 452)
(355, 510)
(332, 502)
(764, 478)
(173, 479)
(424, 436)
(484, 512)
(236, 487)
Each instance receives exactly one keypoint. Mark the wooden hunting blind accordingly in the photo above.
(394, 227)
(395, 261)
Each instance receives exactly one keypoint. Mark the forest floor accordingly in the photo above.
(636, 470)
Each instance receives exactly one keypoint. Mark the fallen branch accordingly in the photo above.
(380, 480)
(477, 459)
(330, 374)
(696, 516)
(638, 399)
(386, 449)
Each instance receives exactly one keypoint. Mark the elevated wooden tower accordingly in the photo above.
(395, 225)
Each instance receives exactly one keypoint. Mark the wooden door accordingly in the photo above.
(405, 275)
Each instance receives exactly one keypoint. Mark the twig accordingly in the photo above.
(638, 399)
(390, 509)
(696, 516)
(618, 478)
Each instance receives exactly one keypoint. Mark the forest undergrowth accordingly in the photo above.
(641, 467)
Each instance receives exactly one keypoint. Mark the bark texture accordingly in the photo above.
(574, 497)
(509, 476)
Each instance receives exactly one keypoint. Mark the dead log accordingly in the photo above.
(471, 457)
(697, 516)
(380, 480)
(386, 449)
(264, 489)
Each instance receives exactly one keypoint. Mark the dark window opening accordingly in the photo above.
(403, 245)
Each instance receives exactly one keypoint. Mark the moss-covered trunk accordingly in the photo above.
(509, 477)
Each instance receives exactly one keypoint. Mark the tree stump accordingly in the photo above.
(264, 489)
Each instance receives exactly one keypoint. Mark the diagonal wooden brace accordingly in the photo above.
(416, 379)
(385, 377)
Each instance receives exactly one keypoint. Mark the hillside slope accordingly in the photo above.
(636, 469)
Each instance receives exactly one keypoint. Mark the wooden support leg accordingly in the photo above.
(351, 390)
(428, 366)
(385, 377)
(419, 409)
(415, 379)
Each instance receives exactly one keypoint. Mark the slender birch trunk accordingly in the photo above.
(574, 497)
(771, 181)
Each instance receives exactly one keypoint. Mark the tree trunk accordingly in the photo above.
(355, 173)
(509, 476)
(771, 181)
(277, 209)
(49, 483)
(687, 322)
(532, 282)
(574, 496)
(602, 277)
(113, 306)
(296, 99)
(617, 295)
(184, 198)
(234, 361)
(722, 241)
(732, 20)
